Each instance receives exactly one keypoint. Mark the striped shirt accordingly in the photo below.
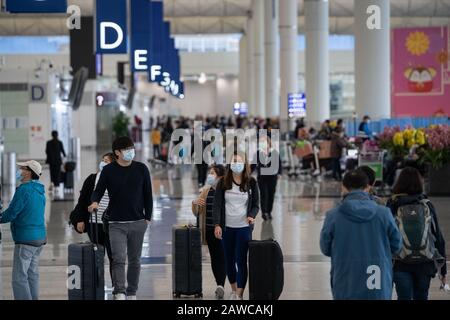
(103, 204)
(209, 208)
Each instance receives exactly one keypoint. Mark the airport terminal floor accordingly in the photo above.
(299, 211)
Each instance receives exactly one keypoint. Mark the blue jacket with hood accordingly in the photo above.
(26, 212)
(360, 236)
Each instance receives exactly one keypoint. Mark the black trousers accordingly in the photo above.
(217, 254)
(103, 239)
(202, 170)
(337, 171)
(267, 188)
(55, 174)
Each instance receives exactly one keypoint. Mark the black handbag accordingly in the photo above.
(77, 216)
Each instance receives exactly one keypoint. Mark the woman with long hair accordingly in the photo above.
(203, 209)
(412, 280)
(236, 204)
(84, 200)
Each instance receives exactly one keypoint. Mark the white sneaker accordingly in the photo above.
(220, 293)
(119, 296)
(233, 296)
(131, 298)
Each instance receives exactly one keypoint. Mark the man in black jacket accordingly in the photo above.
(54, 149)
(129, 211)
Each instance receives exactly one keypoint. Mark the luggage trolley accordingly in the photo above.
(374, 160)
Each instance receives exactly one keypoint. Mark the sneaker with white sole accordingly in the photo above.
(233, 296)
(131, 298)
(220, 293)
(119, 296)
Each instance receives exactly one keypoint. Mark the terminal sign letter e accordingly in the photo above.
(374, 280)
(374, 20)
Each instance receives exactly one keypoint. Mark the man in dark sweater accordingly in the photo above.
(129, 212)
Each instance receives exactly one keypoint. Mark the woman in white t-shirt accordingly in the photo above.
(236, 204)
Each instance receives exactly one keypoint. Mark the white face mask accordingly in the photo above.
(211, 179)
(101, 165)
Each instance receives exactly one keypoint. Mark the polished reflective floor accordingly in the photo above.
(299, 210)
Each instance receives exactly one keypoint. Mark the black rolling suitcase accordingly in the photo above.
(69, 175)
(266, 272)
(86, 269)
(186, 262)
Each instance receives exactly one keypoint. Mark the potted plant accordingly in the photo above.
(120, 125)
(436, 155)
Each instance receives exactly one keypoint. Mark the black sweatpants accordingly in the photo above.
(267, 188)
(337, 171)
(103, 239)
(217, 254)
(55, 174)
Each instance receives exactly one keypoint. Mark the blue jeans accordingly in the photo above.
(25, 272)
(235, 242)
(411, 285)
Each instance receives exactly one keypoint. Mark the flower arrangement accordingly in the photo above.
(432, 144)
(437, 151)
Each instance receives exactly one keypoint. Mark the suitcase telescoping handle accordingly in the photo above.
(94, 232)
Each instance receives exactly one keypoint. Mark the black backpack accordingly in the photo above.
(417, 227)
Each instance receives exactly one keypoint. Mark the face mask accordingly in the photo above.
(237, 167)
(128, 155)
(102, 165)
(211, 179)
(263, 146)
(19, 176)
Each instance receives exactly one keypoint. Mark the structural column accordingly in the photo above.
(258, 32)
(317, 63)
(372, 58)
(250, 79)
(272, 58)
(243, 77)
(288, 57)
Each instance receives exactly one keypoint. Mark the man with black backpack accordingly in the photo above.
(128, 214)
(423, 252)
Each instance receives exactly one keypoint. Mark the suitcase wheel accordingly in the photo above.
(199, 295)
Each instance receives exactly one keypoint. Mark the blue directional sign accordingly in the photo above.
(296, 105)
(111, 26)
(36, 6)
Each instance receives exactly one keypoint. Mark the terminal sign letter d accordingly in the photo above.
(117, 28)
(374, 20)
(37, 93)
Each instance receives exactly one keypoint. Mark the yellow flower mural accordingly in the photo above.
(417, 43)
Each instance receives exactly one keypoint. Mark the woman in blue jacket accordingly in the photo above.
(26, 213)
